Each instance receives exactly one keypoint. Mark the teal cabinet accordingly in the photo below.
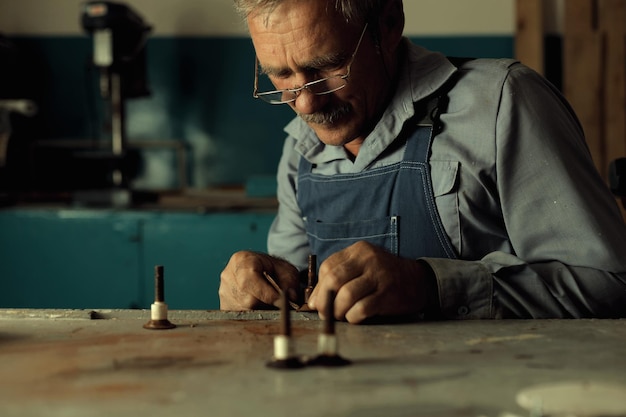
(194, 249)
(105, 259)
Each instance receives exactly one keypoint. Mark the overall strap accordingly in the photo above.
(436, 104)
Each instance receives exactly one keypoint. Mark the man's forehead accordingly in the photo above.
(312, 10)
(303, 18)
(300, 48)
(305, 64)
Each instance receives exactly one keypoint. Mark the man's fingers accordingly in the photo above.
(243, 285)
(351, 294)
(347, 297)
(256, 294)
(364, 308)
(335, 272)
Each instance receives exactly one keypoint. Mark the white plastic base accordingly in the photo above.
(283, 348)
(158, 311)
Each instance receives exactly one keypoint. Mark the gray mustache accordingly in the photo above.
(327, 117)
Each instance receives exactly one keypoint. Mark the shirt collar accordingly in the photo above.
(422, 73)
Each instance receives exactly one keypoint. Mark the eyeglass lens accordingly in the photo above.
(318, 87)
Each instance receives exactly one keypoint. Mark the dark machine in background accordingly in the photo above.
(119, 54)
(17, 108)
(96, 170)
(119, 39)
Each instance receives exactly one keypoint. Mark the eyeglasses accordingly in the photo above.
(318, 87)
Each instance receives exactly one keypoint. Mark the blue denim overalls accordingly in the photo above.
(392, 206)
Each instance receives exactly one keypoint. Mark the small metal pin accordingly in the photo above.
(327, 345)
(329, 314)
(284, 357)
(158, 310)
(311, 277)
(159, 285)
(311, 283)
(285, 315)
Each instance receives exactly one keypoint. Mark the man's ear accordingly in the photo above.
(391, 24)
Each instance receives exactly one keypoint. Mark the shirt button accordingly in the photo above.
(463, 311)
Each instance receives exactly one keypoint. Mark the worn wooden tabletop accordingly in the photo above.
(104, 363)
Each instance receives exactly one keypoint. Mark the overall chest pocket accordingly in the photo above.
(332, 237)
(445, 175)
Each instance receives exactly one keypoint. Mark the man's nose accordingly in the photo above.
(308, 103)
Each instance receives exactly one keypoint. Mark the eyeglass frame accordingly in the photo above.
(296, 90)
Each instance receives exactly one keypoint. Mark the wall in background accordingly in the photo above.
(217, 17)
(199, 70)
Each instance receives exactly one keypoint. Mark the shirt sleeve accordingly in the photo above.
(568, 238)
(287, 237)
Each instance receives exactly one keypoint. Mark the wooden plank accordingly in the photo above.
(611, 19)
(612, 16)
(529, 42)
(612, 22)
(583, 87)
(580, 16)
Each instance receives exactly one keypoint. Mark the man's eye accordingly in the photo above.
(279, 78)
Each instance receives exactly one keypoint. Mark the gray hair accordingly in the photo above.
(351, 10)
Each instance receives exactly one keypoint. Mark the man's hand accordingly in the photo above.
(243, 286)
(369, 281)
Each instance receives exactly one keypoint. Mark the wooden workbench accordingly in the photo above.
(104, 363)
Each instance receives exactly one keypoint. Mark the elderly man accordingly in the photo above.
(428, 186)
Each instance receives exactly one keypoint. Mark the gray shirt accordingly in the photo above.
(536, 230)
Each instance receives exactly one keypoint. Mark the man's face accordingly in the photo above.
(301, 41)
